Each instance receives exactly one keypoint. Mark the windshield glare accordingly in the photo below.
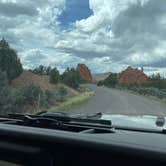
(83, 57)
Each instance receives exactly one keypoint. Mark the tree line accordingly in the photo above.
(155, 81)
(70, 76)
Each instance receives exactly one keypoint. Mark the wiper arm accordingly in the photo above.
(41, 122)
(62, 121)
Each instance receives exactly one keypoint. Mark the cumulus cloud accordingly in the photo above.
(28, 26)
(129, 32)
(14, 9)
(117, 34)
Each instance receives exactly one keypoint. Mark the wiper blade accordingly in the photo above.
(63, 117)
(40, 122)
(62, 121)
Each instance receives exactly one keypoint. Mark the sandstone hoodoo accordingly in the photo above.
(132, 76)
(85, 72)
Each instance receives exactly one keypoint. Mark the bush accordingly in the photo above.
(156, 81)
(41, 70)
(100, 83)
(62, 92)
(9, 61)
(72, 78)
(31, 94)
(150, 91)
(110, 81)
(54, 76)
(4, 93)
(51, 97)
(15, 100)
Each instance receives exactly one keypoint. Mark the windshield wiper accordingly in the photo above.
(62, 121)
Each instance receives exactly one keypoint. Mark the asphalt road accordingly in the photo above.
(119, 102)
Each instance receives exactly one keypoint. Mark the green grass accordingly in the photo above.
(156, 98)
(73, 102)
(163, 101)
(148, 96)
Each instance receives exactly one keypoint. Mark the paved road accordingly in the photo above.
(120, 102)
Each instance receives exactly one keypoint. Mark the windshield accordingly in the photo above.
(83, 57)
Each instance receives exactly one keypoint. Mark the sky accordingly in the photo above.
(106, 35)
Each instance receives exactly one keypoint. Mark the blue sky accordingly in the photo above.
(107, 35)
(75, 10)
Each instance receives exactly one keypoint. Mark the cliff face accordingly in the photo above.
(85, 73)
(131, 76)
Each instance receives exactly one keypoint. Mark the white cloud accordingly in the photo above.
(105, 12)
(154, 70)
(26, 32)
(119, 33)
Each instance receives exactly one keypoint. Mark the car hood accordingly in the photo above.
(143, 122)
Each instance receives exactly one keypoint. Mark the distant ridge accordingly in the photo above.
(101, 76)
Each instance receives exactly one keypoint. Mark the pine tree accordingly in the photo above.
(9, 61)
(54, 76)
(71, 77)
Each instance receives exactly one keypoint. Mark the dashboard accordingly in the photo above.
(37, 146)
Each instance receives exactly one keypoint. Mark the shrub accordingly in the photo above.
(54, 76)
(151, 91)
(62, 92)
(100, 83)
(72, 78)
(110, 81)
(51, 97)
(9, 61)
(31, 94)
(41, 70)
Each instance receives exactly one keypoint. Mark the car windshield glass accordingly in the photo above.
(102, 59)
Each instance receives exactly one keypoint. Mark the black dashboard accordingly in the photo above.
(37, 146)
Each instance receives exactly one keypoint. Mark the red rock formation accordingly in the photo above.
(132, 76)
(85, 73)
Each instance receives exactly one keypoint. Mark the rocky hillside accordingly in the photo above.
(85, 73)
(131, 76)
(28, 78)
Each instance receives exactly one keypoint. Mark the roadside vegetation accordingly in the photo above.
(37, 89)
(111, 81)
(73, 102)
(155, 87)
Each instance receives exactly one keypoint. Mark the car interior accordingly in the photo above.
(27, 143)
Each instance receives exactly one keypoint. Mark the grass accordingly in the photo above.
(73, 102)
(163, 101)
(148, 96)
(156, 98)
